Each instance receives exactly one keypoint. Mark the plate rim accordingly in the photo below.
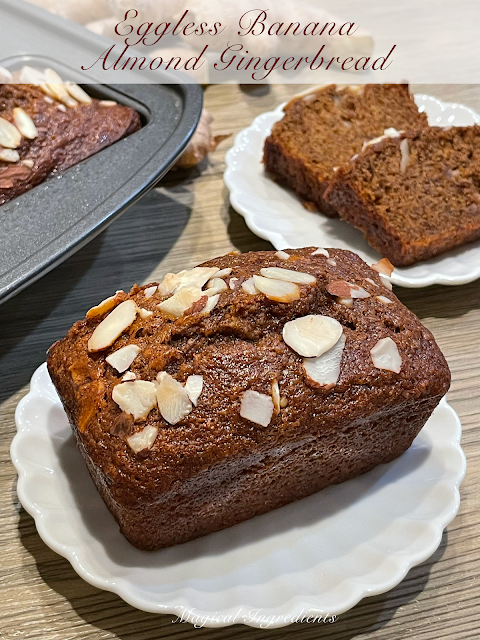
(240, 614)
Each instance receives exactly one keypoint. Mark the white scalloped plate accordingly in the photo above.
(276, 214)
(317, 556)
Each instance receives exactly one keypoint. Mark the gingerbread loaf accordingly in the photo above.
(322, 130)
(414, 195)
(44, 131)
(233, 388)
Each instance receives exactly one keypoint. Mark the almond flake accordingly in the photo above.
(102, 307)
(311, 336)
(108, 103)
(28, 163)
(168, 285)
(29, 75)
(196, 277)
(325, 369)
(232, 282)
(24, 123)
(10, 136)
(249, 286)
(211, 303)
(173, 399)
(149, 291)
(386, 282)
(331, 262)
(182, 300)
(371, 281)
(358, 292)
(129, 376)
(122, 358)
(223, 272)
(384, 299)
(404, 150)
(276, 395)
(137, 397)
(339, 288)
(320, 252)
(256, 407)
(277, 273)
(216, 285)
(143, 439)
(144, 313)
(55, 86)
(111, 327)
(194, 386)
(278, 290)
(78, 93)
(283, 255)
(385, 355)
(9, 155)
(62, 107)
(384, 267)
(5, 73)
(346, 302)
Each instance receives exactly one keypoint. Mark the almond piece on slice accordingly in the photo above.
(278, 290)
(346, 302)
(24, 123)
(9, 155)
(137, 397)
(10, 136)
(283, 255)
(311, 336)
(384, 267)
(277, 273)
(173, 400)
(144, 313)
(339, 288)
(194, 386)
(168, 285)
(78, 93)
(320, 252)
(249, 286)
(405, 152)
(129, 376)
(386, 282)
(149, 291)
(113, 326)
(256, 407)
(358, 292)
(384, 299)
(223, 272)
(215, 285)
(143, 439)
(102, 307)
(182, 300)
(385, 355)
(325, 370)
(211, 303)
(122, 358)
(276, 395)
(196, 277)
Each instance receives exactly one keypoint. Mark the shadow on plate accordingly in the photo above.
(125, 253)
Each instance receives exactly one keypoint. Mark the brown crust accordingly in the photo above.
(214, 468)
(64, 137)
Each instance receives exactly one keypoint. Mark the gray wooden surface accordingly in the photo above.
(185, 220)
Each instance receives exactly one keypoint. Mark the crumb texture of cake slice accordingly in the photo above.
(236, 387)
(54, 132)
(322, 130)
(414, 196)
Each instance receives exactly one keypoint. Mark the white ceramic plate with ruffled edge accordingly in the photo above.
(318, 556)
(276, 214)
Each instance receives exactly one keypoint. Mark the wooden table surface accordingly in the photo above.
(187, 219)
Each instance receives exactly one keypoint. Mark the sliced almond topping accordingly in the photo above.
(5, 73)
(122, 358)
(194, 386)
(49, 100)
(232, 282)
(102, 307)
(249, 286)
(386, 282)
(137, 397)
(129, 376)
(358, 292)
(339, 288)
(325, 370)
(384, 267)
(149, 291)
(331, 262)
(384, 299)
(211, 303)
(256, 407)
(276, 395)
(215, 285)
(223, 272)
(168, 285)
(278, 290)
(371, 281)
(9, 155)
(108, 103)
(346, 302)
(277, 273)
(173, 399)
(24, 123)
(28, 163)
(196, 277)
(182, 300)
(143, 439)
(78, 93)
(405, 151)
(29, 75)
(144, 313)
(113, 326)
(385, 355)
(320, 252)
(62, 107)
(55, 86)
(283, 255)
(312, 335)
(283, 402)
(10, 136)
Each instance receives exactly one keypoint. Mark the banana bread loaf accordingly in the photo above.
(324, 129)
(415, 195)
(41, 135)
(236, 387)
